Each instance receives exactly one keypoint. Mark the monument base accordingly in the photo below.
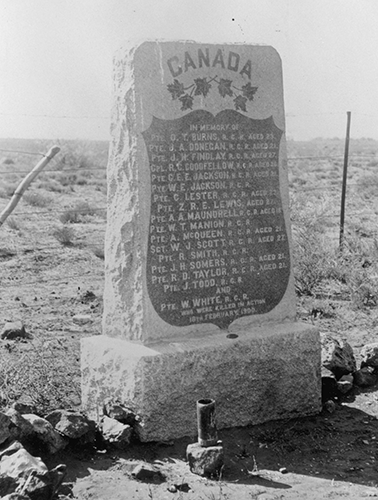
(266, 373)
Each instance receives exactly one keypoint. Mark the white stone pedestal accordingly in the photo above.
(267, 373)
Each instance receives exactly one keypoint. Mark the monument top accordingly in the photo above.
(198, 238)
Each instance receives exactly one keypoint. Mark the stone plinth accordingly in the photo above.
(266, 373)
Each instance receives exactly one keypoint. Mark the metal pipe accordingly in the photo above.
(207, 431)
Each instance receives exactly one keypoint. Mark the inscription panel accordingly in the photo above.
(217, 247)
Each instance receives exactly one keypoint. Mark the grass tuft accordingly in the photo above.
(65, 235)
(79, 213)
(37, 199)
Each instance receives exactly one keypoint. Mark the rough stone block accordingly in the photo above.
(205, 461)
(263, 374)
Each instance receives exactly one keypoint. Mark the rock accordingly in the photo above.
(46, 433)
(369, 354)
(337, 355)
(329, 406)
(16, 496)
(345, 384)
(23, 407)
(31, 475)
(5, 423)
(119, 412)
(10, 449)
(147, 473)
(329, 384)
(115, 432)
(71, 424)
(7, 485)
(365, 377)
(21, 464)
(66, 489)
(38, 487)
(14, 330)
(82, 319)
(205, 461)
(57, 475)
(21, 429)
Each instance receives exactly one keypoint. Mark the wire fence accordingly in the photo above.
(326, 181)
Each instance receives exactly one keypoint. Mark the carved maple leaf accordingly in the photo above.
(202, 86)
(186, 101)
(224, 87)
(176, 89)
(249, 91)
(240, 103)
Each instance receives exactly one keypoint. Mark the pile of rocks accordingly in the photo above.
(24, 436)
(339, 368)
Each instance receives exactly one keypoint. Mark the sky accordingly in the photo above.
(56, 58)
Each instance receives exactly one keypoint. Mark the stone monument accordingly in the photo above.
(199, 295)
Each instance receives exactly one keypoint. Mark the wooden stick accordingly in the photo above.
(23, 186)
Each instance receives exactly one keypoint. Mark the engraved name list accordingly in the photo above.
(217, 247)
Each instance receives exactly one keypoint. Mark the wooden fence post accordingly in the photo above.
(23, 186)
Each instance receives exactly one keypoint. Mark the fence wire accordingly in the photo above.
(368, 161)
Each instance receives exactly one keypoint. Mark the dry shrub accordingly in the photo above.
(368, 185)
(13, 224)
(99, 252)
(318, 261)
(80, 213)
(37, 199)
(65, 235)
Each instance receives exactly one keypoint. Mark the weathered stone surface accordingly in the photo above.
(71, 424)
(148, 112)
(337, 355)
(10, 449)
(7, 485)
(23, 407)
(82, 319)
(148, 473)
(21, 464)
(21, 429)
(199, 296)
(29, 474)
(57, 475)
(369, 355)
(345, 384)
(14, 330)
(365, 377)
(16, 496)
(205, 461)
(329, 406)
(116, 410)
(115, 432)
(5, 423)
(38, 487)
(267, 373)
(46, 433)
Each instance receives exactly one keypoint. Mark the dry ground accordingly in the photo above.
(51, 258)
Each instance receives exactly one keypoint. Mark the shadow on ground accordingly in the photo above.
(339, 446)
